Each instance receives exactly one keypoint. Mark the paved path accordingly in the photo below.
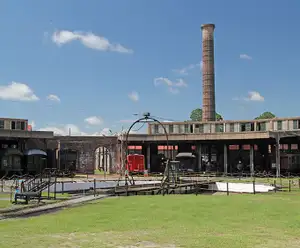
(51, 207)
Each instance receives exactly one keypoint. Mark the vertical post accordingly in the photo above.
(49, 178)
(94, 187)
(277, 156)
(299, 183)
(62, 188)
(252, 160)
(227, 188)
(55, 181)
(254, 187)
(99, 158)
(290, 186)
(225, 159)
(275, 189)
(148, 157)
(105, 161)
(199, 152)
(58, 155)
(11, 193)
(122, 154)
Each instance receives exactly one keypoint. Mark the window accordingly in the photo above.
(260, 126)
(279, 125)
(201, 128)
(186, 128)
(155, 129)
(180, 128)
(1, 124)
(13, 125)
(231, 127)
(243, 127)
(219, 128)
(23, 125)
(191, 129)
(18, 125)
(197, 128)
(247, 127)
(295, 124)
(171, 129)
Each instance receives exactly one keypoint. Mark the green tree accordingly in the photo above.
(196, 115)
(266, 115)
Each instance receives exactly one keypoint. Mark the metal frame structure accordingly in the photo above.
(146, 117)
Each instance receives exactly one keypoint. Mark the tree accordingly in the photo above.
(196, 115)
(266, 115)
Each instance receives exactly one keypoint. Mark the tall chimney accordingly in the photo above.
(208, 73)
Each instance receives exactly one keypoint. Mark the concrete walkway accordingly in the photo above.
(51, 207)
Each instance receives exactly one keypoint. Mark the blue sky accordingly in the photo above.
(143, 40)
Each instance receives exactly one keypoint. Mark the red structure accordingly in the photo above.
(135, 163)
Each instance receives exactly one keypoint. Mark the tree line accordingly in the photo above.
(196, 115)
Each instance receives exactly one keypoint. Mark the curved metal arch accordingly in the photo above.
(145, 118)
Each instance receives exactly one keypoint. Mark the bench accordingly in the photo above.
(27, 196)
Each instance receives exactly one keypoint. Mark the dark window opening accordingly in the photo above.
(191, 129)
(1, 124)
(23, 126)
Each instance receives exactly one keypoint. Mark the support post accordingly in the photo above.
(173, 152)
(148, 158)
(277, 157)
(252, 160)
(199, 152)
(55, 182)
(225, 159)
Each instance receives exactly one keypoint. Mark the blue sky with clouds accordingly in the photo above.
(67, 62)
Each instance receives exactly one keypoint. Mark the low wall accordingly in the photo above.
(240, 187)
(76, 186)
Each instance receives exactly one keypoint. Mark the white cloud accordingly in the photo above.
(253, 96)
(64, 130)
(173, 86)
(245, 56)
(89, 40)
(73, 130)
(53, 98)
(185, 70)
(93, 120)
(17, 92)
(134, 96)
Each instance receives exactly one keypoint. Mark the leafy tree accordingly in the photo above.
(196, 115)
(266, 115)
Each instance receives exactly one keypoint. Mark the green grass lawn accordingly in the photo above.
(97, 172)
(5, 200)
(267, 221)
(4, 204)
(4, 195)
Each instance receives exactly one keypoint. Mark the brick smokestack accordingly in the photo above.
(208, 73)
